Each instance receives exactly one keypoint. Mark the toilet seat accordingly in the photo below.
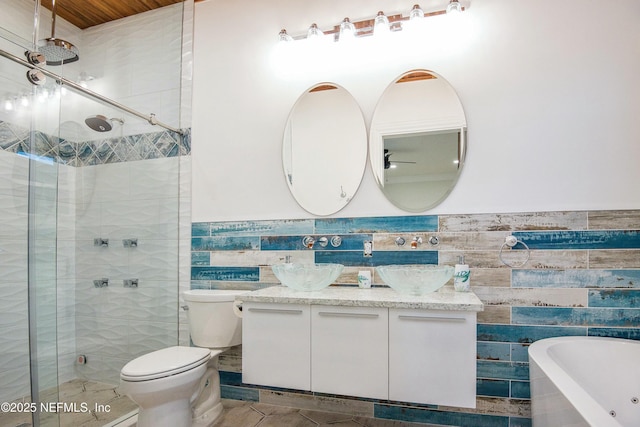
(164, 363)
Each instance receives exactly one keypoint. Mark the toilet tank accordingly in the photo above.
(212, 322)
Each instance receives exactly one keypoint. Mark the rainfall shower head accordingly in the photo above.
(101, 123)
(57, 51)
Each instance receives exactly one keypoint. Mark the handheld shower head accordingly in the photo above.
(101, 123)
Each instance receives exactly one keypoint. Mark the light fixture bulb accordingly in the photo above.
(284, 37)
(8, 105)
(454, 6)
(416, 12)
(314, 33)
(381, 24)
(24, 101)
(347, 30)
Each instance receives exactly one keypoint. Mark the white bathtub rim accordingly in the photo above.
(589, 408)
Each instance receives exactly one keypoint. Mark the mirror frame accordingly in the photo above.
(377, 135)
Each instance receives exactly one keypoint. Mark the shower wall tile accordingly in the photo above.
(13, 312)
(14, 342)
(17, 169)
(134, 200)
(14, 259)
(145, 337)
(15, 382)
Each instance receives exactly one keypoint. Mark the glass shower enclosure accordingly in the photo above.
(93, 203)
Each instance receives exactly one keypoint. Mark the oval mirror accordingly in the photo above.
(417, 141)
(324, 150)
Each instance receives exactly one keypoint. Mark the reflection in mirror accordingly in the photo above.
(324, 150)
(417, 142)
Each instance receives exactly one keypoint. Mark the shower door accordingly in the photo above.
(28, 236)
(89, 220)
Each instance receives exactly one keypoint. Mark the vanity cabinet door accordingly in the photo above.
(276, 345)
(349, 351)
(432, 357)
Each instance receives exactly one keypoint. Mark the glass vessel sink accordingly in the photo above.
(307, 277)
(415, 279)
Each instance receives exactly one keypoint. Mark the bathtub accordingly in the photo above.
(585, 381)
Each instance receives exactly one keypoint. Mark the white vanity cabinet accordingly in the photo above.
(350, 350)
(366, 343)
(276, 345)
(432, 357)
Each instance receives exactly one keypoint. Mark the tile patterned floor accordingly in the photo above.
(78, 391)
(236, 414)
(252, 414)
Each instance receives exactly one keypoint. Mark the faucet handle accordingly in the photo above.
(308, 242)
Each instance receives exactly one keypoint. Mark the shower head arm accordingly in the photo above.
(53, 19)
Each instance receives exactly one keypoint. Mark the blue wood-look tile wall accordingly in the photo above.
(582, 278)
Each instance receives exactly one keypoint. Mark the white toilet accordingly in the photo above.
(180, 386)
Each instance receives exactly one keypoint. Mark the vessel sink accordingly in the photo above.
(415, 279)
(307, 277)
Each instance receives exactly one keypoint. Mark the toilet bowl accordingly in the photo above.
(180, 386)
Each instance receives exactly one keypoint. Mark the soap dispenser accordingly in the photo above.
(461, 276)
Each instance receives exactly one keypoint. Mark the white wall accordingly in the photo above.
(548, 89)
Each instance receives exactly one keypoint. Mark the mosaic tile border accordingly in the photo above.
(145, 146)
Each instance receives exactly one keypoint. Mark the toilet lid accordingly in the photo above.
(164, 363)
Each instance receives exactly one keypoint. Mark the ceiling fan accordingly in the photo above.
(387, 159)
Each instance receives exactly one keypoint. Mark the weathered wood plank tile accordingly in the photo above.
(495, 314)
(627, 258)
(536, 297)
(614, 220)
(385, 224)
(515, 222)
(575, 278)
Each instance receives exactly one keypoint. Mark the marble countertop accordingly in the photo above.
(446, 298)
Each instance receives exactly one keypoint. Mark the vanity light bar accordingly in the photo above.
(348, 29)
